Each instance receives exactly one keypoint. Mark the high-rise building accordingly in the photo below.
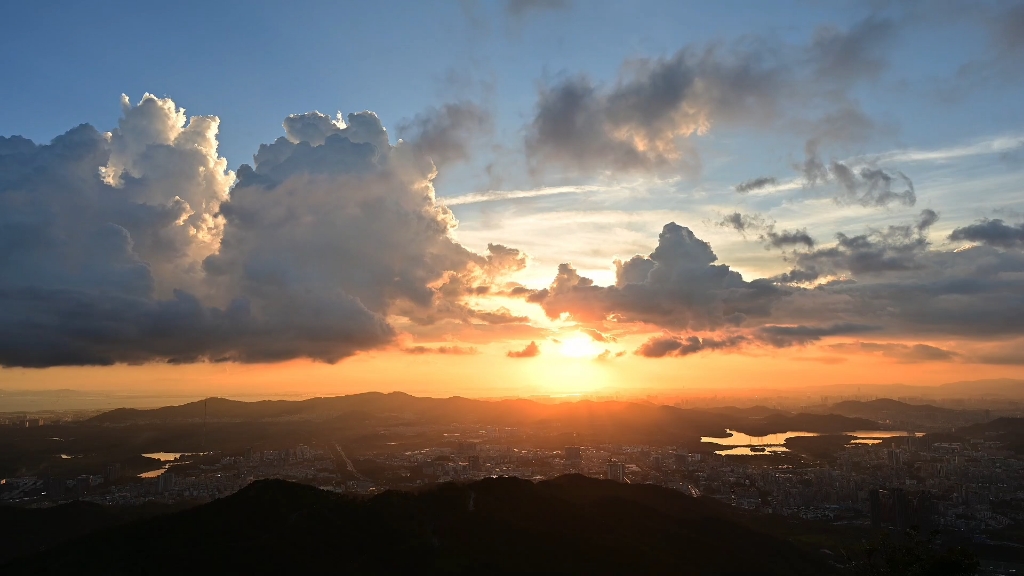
(681, 458)
(875, 499)
(113, 472)
(656, 461)
(573, 453)
(248, 453)
(55, 488)
(164, 482)
(616, 471)
(902, 510)
(474, 463)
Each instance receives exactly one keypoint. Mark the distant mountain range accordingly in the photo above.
(627, 421)
(992, 388)
(569, 525)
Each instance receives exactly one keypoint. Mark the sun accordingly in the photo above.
(580, 346)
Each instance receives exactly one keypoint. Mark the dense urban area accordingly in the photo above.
(894, 466)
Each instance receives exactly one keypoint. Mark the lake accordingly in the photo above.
(168, 457)
(165, 456)
(739, 444)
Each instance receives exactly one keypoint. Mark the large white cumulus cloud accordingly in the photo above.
(139, 245)
(352, 216)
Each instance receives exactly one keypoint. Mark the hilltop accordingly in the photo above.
(571, 524)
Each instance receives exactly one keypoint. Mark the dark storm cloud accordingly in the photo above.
(755, 184)
(530, 351)
(127, 248)
(992, 232)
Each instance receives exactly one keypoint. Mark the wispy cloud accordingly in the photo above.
(996, 145)
(987, 147)
(500, 195)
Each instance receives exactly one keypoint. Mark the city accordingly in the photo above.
(512, 287)
(942, 479)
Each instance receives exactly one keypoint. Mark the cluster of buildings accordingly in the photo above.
(898, 482)
(23, 422)
(967, 486)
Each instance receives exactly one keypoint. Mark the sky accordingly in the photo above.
(510, 197)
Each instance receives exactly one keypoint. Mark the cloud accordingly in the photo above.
(895, 279)
(1009, 29)
(779, 336)
(991, 232)
(891, 281)
(765, 231)
(609, 355)
(502, 195)
(638, 125)
(756, 184)
(520, 8)
(646, 120)
(597, 336)
(668, 345)
(530, 351)
(895, 248)
(140, 246)
(906, 353)
(312, 127)
(843, 57)
(500, 316)
(925, 220)
(450, 350)
(354, 217)
(789, 238)
(677, 286)
(444, 134)
(864, 185)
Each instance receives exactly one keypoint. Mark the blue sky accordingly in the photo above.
(253, 63)
(875, 141)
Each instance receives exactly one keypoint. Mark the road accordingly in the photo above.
(348, 463)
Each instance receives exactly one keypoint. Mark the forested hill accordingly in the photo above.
(569, 525)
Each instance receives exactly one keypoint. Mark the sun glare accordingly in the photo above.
(580, 346)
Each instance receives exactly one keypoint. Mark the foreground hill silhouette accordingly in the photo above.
(571, 524)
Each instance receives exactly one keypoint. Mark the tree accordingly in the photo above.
(913, 555)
